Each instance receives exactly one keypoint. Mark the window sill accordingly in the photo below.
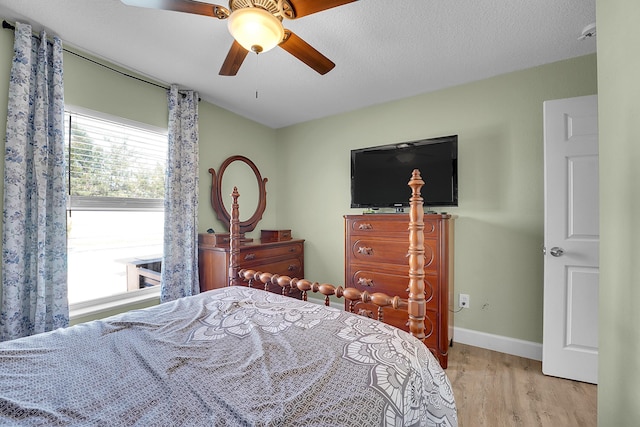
(114, 304)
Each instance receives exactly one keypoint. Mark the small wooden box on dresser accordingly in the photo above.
(376, 261)
(284, 257)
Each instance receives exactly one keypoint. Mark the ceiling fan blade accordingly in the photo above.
(307, 7)
(234, 60)
(306, 53)
(186, 6)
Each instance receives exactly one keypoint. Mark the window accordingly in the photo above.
(115, 213)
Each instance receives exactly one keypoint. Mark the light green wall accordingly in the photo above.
(95, 87)
(499, 232)
(619, 127)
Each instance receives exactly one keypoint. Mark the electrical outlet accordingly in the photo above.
(463, 300)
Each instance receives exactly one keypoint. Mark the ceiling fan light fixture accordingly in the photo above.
(255, 29)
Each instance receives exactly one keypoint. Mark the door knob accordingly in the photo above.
(556, 251)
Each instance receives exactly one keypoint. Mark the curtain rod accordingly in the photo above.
(8, 26)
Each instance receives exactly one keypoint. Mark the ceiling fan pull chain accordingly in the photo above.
(255, 74)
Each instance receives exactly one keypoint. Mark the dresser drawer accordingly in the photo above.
(371, 280)
(258, 253)
(399, 319)
(371, 249)
(292, 267)
(395, 226)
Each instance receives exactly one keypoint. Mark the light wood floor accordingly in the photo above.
(495, 389)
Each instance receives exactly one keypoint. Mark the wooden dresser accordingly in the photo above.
(376, 248)
(279, 257)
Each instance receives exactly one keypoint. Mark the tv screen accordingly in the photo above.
(379, 175)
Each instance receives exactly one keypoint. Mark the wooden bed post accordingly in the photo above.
(234, 242)
(416, 303)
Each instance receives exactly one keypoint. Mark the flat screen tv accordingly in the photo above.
(379, 175)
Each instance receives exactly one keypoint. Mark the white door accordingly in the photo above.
(571, 239)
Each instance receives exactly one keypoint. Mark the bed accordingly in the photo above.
(237, 356)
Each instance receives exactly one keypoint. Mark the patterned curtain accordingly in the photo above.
(180, 259)
(34, 239)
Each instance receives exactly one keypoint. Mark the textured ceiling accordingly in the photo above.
(383, 50)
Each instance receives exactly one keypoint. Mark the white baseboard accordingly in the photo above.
(516, 347)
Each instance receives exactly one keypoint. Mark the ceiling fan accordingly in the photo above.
(256, 25)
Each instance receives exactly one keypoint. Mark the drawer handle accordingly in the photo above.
(365, 251)
(292, 249)
(365, 227)
(292, 267)
(249, 257)
(363, 281)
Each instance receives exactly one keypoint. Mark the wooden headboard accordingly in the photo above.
(414, 302)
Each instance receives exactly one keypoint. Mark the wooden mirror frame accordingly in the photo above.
(217, 202)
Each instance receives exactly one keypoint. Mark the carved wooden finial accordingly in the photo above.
(416, 184)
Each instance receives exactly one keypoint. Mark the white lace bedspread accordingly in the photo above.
(230, 357)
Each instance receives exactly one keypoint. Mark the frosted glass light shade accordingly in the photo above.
(255, 29)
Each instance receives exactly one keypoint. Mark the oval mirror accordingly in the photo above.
(239, 174)
(233, 173)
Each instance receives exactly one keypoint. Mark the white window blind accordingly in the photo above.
(113, 165)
